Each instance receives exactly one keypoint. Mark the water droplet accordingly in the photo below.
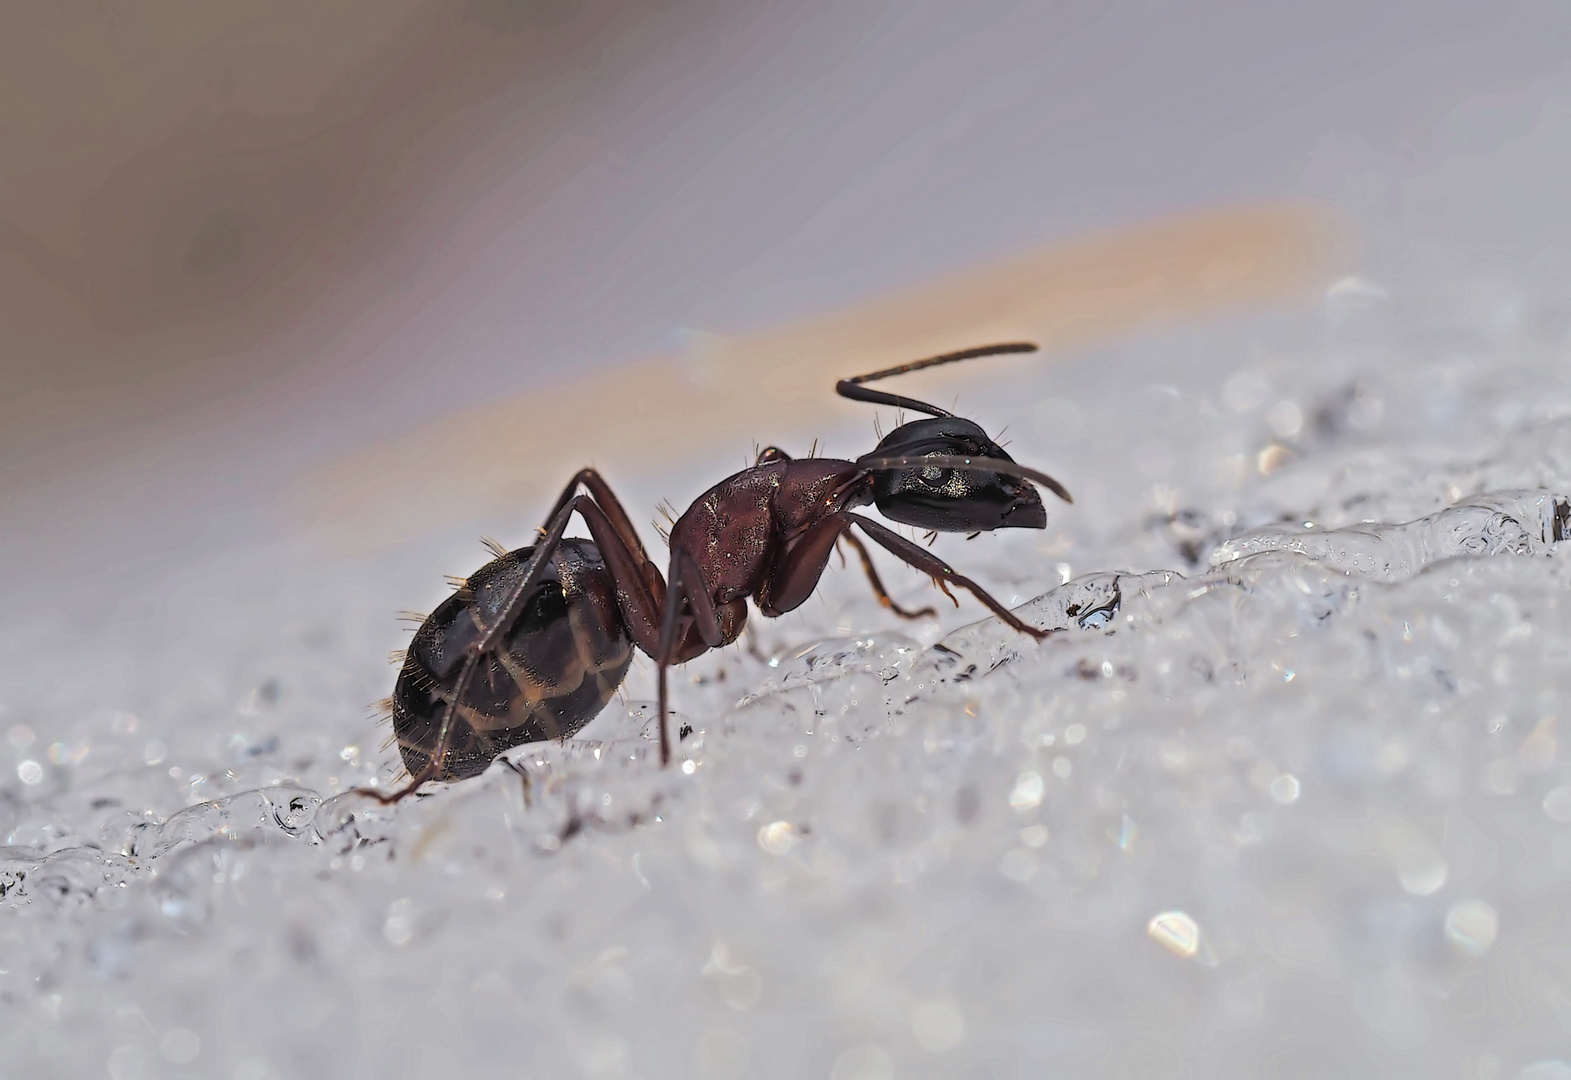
(1272, 458)
(1471, 927)
(1420, 870)
(1125, 836)
(1176, 932)
(1028, 791)
(292, 807)
(29, 771)
(1557, 804)
(1285, 788)
(1034, 836)
(1096, 619)
(777, 838)
(1285, 419)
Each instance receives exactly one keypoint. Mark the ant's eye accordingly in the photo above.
(940, 481)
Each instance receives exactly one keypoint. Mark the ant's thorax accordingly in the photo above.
(739, 527)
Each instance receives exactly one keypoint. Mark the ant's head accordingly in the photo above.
(925, 474)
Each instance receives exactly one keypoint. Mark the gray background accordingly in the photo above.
(237, 240)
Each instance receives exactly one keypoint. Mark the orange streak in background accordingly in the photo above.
(649, 416)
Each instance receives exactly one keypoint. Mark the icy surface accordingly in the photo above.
(1282, 796)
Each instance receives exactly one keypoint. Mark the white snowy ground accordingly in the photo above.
(1284, 799)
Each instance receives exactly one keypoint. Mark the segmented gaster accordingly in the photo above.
(553, 672)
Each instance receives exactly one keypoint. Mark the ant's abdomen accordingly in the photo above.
(551, 674)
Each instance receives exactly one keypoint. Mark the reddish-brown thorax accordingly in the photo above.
(741, 528)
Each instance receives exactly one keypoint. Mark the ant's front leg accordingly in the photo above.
(797, 572)
(941, 572)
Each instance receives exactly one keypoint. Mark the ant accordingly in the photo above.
(535, 643)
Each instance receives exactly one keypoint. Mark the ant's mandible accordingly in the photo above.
(535, 643)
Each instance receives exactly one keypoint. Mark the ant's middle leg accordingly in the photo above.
(878, 586)
(685, 589)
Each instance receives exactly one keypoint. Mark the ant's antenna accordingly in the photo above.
(852, 387)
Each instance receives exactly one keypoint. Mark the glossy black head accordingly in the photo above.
(948, 499)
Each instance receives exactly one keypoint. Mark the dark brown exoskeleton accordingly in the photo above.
(534, 645)
(552, 673)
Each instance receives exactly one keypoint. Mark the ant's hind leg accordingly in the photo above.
(878, 586)
(415, 782)
(615, 515)
(640, 582)
(508, 612)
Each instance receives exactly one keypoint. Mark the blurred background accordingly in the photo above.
(299, 298)
(352, 268)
